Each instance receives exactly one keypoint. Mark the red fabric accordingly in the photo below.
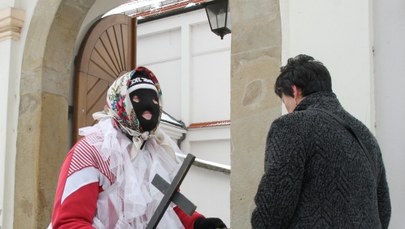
(186, 220)
(71, 214)
(79, 208)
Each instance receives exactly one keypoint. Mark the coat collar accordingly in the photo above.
(322, 100)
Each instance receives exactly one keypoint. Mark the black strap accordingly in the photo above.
(348, 128)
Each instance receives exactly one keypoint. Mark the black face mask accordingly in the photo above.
(146, 105)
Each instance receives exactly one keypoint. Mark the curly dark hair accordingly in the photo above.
(304, 72)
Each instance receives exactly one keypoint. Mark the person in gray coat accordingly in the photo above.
(323, 168)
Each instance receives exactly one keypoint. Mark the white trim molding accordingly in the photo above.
(11, 23)
(174, 132)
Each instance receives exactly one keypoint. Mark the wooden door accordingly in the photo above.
(107, 51)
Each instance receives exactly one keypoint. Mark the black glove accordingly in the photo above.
(208, 223)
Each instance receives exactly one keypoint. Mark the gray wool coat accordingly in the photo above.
(317, 175)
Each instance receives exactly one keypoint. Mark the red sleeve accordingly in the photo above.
(75, 203)
(186, 220)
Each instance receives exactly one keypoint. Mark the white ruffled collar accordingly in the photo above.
(134, 169)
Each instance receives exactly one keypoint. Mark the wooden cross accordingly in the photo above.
(171, 194)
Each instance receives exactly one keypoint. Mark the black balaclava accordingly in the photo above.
(144, 94)
(147, 109)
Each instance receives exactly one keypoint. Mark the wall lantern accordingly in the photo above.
(219, 17)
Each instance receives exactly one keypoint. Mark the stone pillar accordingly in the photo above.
(42, 140)
(255, 63)
(11, 22)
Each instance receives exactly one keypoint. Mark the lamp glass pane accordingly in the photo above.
(216, 13)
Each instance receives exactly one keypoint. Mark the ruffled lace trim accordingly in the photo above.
(131, 200)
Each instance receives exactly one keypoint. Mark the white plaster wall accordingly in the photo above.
(6, 4)
(338, 33)
(161, 52)
(389, 33)
(4, 71)
(209, 190)
(341, 34)
(210, 84)
(192, 65)
(193, 68)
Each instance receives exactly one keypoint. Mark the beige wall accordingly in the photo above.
(46, 77)
(255, 60)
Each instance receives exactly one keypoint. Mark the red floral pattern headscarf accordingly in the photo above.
(119, 104)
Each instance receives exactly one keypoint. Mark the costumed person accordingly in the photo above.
(105, 180)
(323, 168)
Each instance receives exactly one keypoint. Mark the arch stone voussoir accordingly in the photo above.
(42, 140)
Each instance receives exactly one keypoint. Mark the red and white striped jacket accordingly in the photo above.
(83, 176)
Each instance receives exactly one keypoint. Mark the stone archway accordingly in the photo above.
(43, 127)
(42, 139)
(46, 77)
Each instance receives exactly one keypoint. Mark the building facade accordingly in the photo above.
(360, 42)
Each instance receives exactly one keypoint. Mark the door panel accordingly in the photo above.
(107, 51)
